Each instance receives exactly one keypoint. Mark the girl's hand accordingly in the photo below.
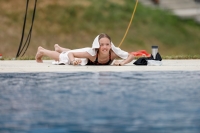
(118, 63)
(76, 62)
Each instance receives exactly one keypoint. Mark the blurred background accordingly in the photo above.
(173, 25)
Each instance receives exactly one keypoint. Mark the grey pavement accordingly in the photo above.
(27, 66)
(186, 9)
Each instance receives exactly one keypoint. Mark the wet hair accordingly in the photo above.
(104, 35)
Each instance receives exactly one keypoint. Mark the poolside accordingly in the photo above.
(21, 66)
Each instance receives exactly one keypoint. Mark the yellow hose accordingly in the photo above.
(129, 23)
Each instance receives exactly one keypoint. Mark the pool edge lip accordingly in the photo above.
(27, 66)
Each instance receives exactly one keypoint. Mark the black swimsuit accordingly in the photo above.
(97, 63)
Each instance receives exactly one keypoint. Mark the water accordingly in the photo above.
(101, 102)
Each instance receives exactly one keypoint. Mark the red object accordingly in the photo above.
(140, 53)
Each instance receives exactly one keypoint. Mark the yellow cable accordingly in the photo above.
(129, 23)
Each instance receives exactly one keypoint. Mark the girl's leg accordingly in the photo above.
(44, 52)
(60, 49)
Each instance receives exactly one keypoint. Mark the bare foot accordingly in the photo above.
(38, 56)
(57, 48)
(60, 49)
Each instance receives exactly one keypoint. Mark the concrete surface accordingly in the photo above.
(26, 66)
(186, 9)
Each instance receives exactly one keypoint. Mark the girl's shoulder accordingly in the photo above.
(113, 55)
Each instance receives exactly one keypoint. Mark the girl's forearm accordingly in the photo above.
(71, 57)
(128, 60)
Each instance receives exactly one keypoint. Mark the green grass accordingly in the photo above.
(75, 25)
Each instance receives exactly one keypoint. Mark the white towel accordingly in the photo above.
(154, 63)
(122, 54)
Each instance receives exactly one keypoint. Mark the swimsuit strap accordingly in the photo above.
(96, 60)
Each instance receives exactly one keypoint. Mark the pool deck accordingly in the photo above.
(26, 66)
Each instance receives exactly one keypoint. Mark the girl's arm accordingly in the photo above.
(73, 55)
(127, 60)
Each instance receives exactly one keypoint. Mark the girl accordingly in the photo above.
(103, 52)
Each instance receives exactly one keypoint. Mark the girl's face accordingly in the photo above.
(105, 45)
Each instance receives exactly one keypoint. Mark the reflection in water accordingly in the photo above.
(104, 78)
(119, 102)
